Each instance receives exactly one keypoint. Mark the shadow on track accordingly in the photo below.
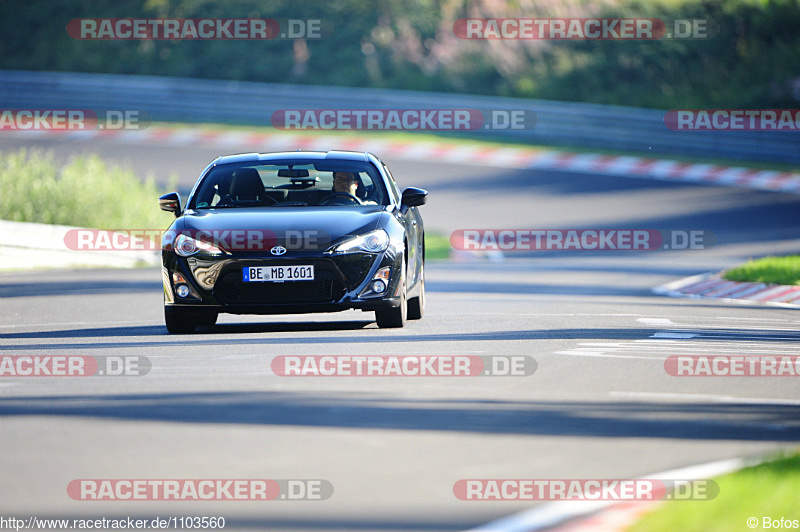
(205, 338)
(161, 330)
(693, 421)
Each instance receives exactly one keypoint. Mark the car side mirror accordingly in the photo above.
(414, 197)
(171, 203)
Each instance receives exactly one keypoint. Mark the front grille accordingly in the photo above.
(231, 290)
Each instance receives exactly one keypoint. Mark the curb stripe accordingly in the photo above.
(712, 286)
(504, 157)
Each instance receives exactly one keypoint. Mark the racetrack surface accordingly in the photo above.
(600, 404)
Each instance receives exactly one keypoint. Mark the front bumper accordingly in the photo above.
(341, 282)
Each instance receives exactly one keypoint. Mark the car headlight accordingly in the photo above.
(372, 242)
(186, 246)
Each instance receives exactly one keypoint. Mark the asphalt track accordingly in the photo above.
(600, 404)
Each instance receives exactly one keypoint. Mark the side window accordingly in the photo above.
(213, 188)
(392, 184)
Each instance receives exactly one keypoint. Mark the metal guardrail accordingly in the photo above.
(558, 123)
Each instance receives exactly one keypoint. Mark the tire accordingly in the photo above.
(416, 305)
(179, 320)
(394, 318)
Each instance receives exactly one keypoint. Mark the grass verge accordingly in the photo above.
(86, 192)
(437, 246)
(776, 270)
(767, 490)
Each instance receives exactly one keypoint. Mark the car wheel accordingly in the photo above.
(179, 320)
(416, 305)
(395, 317)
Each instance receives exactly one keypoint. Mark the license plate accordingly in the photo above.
(277, 274)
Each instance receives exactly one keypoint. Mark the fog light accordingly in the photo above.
(182, 290)
(378, 286)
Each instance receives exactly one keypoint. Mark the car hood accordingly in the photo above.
(309, 228)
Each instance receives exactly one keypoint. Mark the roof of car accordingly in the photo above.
(297, 155)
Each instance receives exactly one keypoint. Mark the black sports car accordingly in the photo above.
(294, 232)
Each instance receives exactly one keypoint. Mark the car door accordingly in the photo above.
(411, 219)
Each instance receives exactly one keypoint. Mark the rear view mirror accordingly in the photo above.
(292, 173)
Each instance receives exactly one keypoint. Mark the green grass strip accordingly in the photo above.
(85, 192)
(768, 490)
(437, 246)
(776, 270)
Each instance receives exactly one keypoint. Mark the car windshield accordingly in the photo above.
(288, 184)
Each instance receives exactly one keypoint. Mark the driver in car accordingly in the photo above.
(347, 183)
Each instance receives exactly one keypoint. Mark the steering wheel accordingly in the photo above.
(344, 195)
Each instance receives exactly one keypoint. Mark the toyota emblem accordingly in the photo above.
(278, 250)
